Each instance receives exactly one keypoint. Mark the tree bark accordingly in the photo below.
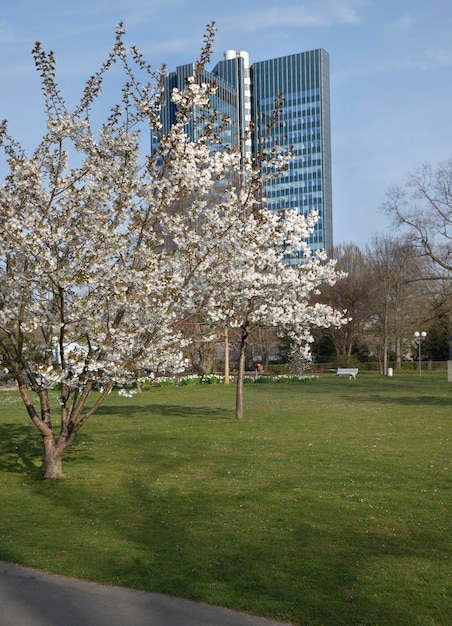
(71, 422)
(399, 352)
(53, 459)
(386, 343)
(241, 373)
(226, 356)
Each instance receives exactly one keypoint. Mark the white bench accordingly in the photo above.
(347, 371)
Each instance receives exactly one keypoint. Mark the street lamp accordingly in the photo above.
(419, 337)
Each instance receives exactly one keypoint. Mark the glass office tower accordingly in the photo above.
(224, 101)
(248, 94)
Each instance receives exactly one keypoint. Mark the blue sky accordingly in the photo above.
(390, 62)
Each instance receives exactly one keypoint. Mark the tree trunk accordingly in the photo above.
(53, 458)
(386, 342)
(239, 388)
(399, 353)
(53, 452)
(226, 356)
(241, 374)
(69, 427)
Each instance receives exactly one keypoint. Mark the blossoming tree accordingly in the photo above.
(261, 291)
(108, 248)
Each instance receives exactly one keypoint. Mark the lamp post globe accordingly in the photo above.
(419, 336)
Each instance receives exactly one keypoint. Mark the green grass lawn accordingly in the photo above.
(330, 504)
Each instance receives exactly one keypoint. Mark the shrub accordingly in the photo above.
(276, 368)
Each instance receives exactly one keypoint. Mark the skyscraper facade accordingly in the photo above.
(248, 94)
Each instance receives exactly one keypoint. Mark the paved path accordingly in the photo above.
(31, 597)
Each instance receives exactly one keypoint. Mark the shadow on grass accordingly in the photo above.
(166, 410)
(414, 400)
(20, 449)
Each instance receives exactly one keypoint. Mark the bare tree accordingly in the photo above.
(423, 207)
(352, 295)
(394, 267)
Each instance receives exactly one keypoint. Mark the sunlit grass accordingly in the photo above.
(329, 504)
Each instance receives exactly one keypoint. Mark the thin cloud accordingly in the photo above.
(402, 24)
(427, 61)
(10, 36)
(303, 15)
(432, 59)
